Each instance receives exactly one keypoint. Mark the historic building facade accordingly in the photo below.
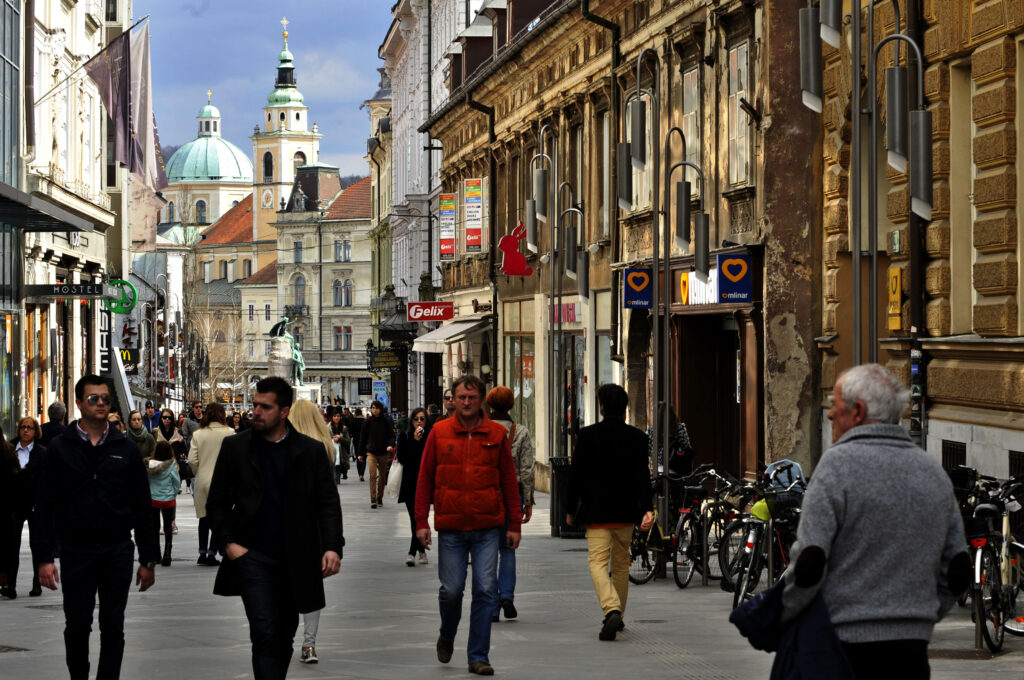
(958, 277)
(547, 84)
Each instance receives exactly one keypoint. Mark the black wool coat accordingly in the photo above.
(410, 453)
(312, 512)
(26, 480)
(609, 482)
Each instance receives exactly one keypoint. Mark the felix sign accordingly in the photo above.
(430, 311)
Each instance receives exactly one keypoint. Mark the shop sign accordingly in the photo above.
(473, 193)
(636, 288)
(130, 359)
(380, 392)
(430, 311)
(569, 313)
(895, 307)
(693, 291)
(124, 298)
(513, 262)
(72, 290)
(446, 209)
(383, 360)
(734, 277)
(365, 386)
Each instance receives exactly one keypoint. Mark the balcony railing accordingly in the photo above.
(293, 311)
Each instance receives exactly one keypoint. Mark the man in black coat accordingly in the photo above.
(54, 426)
(23, 499)
(93, 492)
(609, 492)
(376, 443)
(275, 514)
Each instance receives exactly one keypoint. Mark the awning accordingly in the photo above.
(434, 341)
(29, 212)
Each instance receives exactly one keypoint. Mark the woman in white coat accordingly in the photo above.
(202, 457)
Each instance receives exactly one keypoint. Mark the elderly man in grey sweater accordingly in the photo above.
(880, 536)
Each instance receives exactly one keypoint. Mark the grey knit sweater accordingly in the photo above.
(884, 512)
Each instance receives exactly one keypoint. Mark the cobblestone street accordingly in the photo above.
(381, 620)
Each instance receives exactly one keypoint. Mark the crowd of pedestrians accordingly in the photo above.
(265, 492)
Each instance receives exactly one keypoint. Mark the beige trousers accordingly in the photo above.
(609, 552)
(378, 466)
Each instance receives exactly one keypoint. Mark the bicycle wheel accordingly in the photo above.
(684, 562)
(717, 523)
(643, 560)
(1014, 619)
(987, 597)
(751, 565)
(730, 550)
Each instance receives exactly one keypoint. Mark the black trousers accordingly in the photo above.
(903, 659)
(168, 516)
(361, 466)
(12, 551)
(273, 616)
(415, 546)
(84, 572)
(204, 535)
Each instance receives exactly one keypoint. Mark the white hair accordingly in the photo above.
(882, 394)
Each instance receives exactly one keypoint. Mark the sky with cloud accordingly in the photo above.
(231, 48)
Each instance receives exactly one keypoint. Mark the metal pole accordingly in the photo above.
(855, 183)
(872, 195)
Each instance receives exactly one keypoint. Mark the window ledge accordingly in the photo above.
(740, 193)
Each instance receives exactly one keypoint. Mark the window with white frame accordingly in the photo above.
(338, 251)
(641, 178)
(337, 293)
(266, 311)
(297, 252)
(266, 348)
(252, 311)
(252, 349)
(346, 293)
(739, 129)
(691, 124)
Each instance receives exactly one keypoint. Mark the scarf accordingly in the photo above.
(137, 435)
(167, 432)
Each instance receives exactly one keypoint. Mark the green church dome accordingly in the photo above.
(209, 111)
(209, 159)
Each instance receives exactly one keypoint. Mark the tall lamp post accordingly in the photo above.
(826, 24)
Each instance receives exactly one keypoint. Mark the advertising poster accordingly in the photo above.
(474, 215)
(446, 203)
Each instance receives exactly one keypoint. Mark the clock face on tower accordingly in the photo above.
(268, 198)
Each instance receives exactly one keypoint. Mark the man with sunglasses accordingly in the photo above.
(93, 493)
(192, 423)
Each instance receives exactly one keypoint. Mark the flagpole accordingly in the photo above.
(84, 64)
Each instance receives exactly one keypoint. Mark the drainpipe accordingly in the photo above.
(613, 227)
(30, 86)
(492, 248)
(915, 29)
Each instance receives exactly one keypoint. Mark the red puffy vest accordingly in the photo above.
(467, 479)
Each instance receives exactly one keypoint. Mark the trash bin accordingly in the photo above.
(560, 499)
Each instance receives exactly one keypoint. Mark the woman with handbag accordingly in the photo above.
(410, 450)
(202, 456)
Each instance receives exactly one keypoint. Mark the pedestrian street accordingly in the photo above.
(381, 619)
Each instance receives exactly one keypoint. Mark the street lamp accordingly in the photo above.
(920, 139)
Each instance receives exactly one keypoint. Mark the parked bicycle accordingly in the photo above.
(770, 530)
(703, 518)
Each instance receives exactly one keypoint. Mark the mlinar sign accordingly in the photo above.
(430, 311)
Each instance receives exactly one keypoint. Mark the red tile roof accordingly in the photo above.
(352, 203)
(267, 274)
(234, 227)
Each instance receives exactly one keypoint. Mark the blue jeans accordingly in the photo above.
(506, 576)
(453, 551)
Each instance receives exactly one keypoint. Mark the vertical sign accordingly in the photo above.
(380, 392)
(446, 203)
(474, 215)
(895, 299)
(636, 289)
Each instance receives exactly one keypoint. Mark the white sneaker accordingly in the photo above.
(423, 558)
(410, 561)
(174, 528)
(309, 655)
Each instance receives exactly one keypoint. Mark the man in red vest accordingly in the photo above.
(468, 474)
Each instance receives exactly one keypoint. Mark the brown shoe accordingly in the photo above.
(445, 649)
(481, 668)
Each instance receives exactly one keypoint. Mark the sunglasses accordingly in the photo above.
(419, 418)
(27, 427)
(94, 399)
(166, 418)
(448, 397)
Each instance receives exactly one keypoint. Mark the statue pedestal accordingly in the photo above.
(279, 363)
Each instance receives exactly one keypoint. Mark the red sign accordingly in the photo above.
(430, 311)
(513, 262)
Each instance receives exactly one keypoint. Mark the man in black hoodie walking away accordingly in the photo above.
(93, 492)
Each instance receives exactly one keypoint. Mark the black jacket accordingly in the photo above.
(93, 495)
(26, 481)
(312, 512)
(50, 430)
(409, 454)
(609, 481)
(377, 434)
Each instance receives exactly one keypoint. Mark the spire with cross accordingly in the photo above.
(209, 96)
(284, 24)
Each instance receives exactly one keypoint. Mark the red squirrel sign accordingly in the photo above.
(513, 262)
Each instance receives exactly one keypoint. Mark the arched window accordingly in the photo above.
(224, 269)
(200, 212)
(282, 115)
(170, 211)
(298, 116)
(268, 166)
(337, 293)
(346, 293)
(246, 268)
(299, 159)
(300, 291)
